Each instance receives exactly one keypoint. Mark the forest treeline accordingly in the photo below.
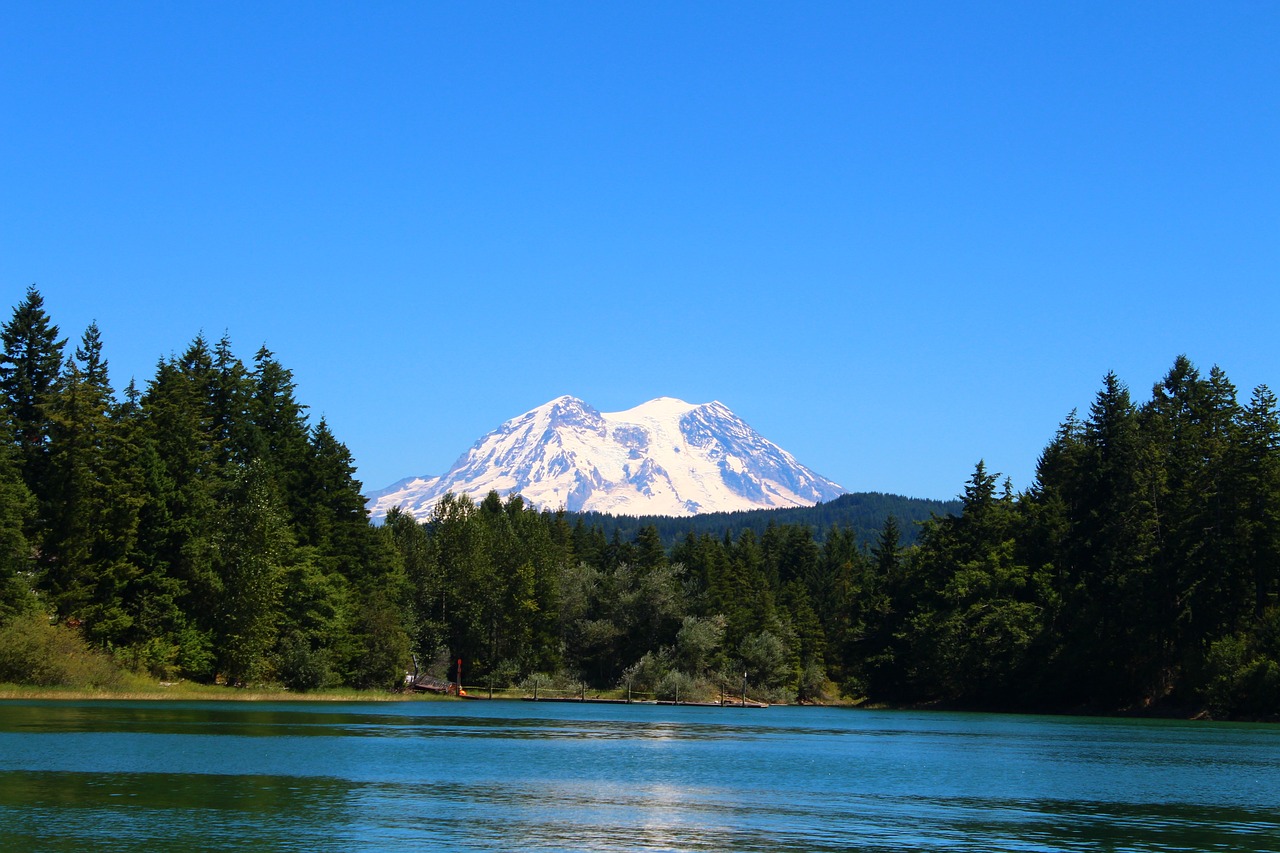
(202, 527)
(863, 512)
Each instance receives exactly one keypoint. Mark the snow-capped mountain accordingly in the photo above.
(664, 457)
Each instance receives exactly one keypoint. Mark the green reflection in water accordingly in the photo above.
(296, 719)
(159, 811)
(186, 776)
(162, 811)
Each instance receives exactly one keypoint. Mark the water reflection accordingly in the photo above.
(83, 811)
(493, 776)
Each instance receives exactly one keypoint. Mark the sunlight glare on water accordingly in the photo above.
(493, 776)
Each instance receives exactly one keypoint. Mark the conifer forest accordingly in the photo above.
(202, 527)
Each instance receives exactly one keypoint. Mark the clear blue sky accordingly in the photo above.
(895, 238)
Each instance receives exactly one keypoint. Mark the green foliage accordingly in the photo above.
(17, 509)
(202, 528)
(699, 643)
(764, 659)
(1242, 671)
(30, 362)
(301, 666)
(34, 651)
(92, 498)
(253, 548)
(382, 645)
(676, 686)
(862, 513)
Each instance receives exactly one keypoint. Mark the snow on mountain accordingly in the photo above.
(663, 457)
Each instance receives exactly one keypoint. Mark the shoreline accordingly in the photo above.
(217, 693)
(211, 693)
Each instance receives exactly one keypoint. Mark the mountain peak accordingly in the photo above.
(659, 407)
(563, 401)
(662, 457)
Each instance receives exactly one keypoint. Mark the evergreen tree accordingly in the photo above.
(807, 651)
(30, 363)
(749, 597)
(874, 603)
(1190, 424)
(235, 435)
(187, 494)
(92, 500)
(979, 617)
(332, 516)
(254, 547)
(649, 553)
(1114, 645)
(280, 426)
(468, 582)
(1258, 460)
(427, 606)
(17, 508)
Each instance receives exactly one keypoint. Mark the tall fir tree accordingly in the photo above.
(30, 364)
(280, 426)
(92, 500)
(1258, 461)
(254, 547)
(17, 510)
(186, 498)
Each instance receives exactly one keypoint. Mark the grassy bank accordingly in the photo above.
(43, 660)
(136, 688)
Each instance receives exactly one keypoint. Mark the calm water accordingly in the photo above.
(518, 775)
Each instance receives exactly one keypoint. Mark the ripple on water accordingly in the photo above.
(492, 776)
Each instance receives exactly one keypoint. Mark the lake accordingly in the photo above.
(119, 775)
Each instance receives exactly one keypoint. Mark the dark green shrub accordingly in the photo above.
(33, 651)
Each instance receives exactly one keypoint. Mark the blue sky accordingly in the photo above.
(894, 238)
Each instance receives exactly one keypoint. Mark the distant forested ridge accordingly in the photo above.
(863, 512)
(201, 526)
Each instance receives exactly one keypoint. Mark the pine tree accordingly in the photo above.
(1199, 578)
(92, 499)
(333, 518)
(649, 553)
(1259, 506)
(17, 508)
(809, 642)
(254, 547)
(979, 615)
(468, 582)
(427, 606)
(235, 436)
(280, 425)
(29, 367)
(876, 606)
(1113, 645)
(186, 497)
